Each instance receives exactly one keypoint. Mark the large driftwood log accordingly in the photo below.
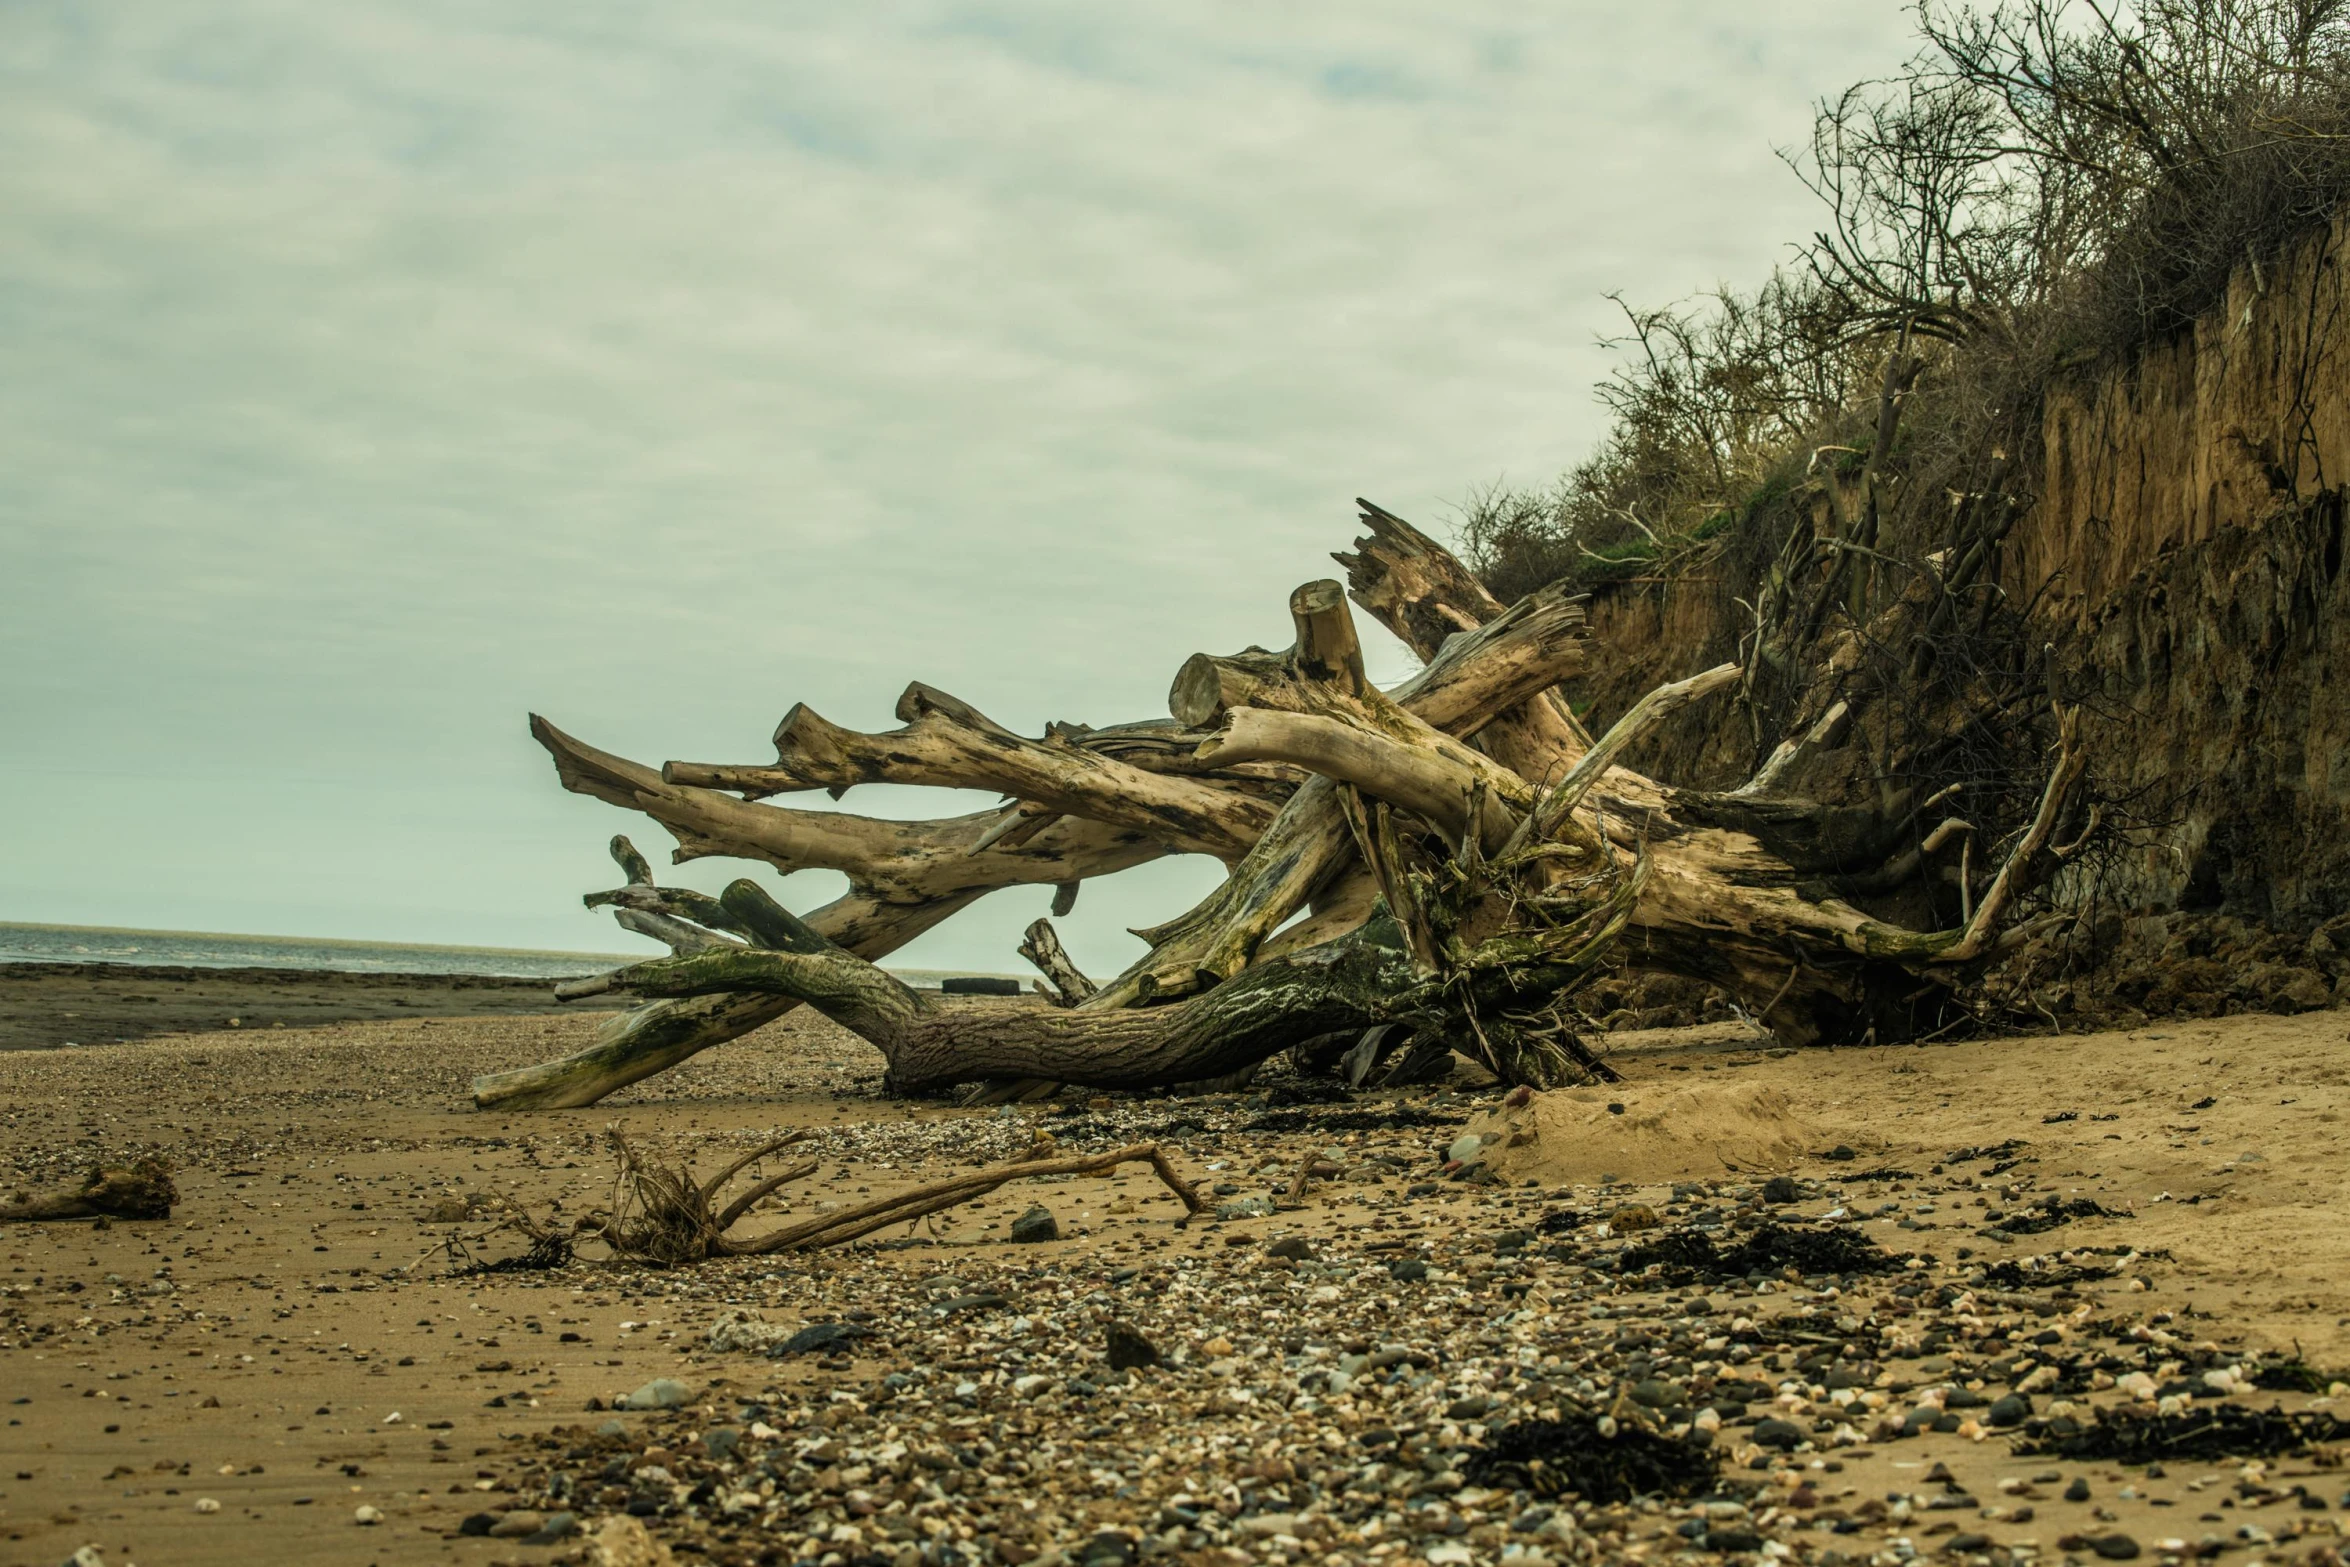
(1509, 850)
(1364, 978)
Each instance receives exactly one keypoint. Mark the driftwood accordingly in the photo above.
(1063, 981)
(669, 1217)
(143, 1191)
(1449, 858)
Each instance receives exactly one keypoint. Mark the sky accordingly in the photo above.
(373, 375)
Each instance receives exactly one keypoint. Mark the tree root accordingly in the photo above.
(667, 1217)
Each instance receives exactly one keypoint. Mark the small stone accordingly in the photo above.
(87, 1556)
(1295, 1247)
(559, 1526)
(2115, 1547)
(474, 1525)
(518, 1524)
(1037, 1224)
(1216, 1348)
(1785, 1435)
(205, 1504)
(1466, 1149)
(1129, 1350)
(1782, 1189)
(1407, 1270)
(1257, 1207)
(985, 1300)
(819, 1335)
(1727, 1541)
(720, 1442)
(1272, 1523)
(2012, 1410)
(2078, 1491)
(1108, 1550)
(1655, 1393)
(1634, 1216)
(1509, 1241)
(660, 1393)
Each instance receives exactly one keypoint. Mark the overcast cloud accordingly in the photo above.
(373, 374)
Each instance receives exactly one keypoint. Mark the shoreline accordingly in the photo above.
(47, 1005)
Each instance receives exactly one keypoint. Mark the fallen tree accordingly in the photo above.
(1448, 860)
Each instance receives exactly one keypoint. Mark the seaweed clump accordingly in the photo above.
(1768, 1249)
(2210, 1433)
(2045, 1216)
(1594, 1458)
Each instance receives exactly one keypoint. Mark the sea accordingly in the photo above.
(25, 943)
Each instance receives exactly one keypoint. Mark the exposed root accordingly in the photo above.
(667, 1218)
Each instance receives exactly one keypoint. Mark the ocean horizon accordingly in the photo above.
(26, 942)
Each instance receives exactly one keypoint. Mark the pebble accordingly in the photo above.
(819, 1335)
(660, 1393)
(1037, 1224)
(368, 1517)
(1128, 1350)
(2012, 1410)
(205, 1504)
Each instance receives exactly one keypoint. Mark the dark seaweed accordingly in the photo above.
(2296, 1376)
(2055, 1275)
(1552, 1458)
(2045, 1216)
(552, 1251)
(1768, 1249)
(2211, 1432)
(1350, 1121)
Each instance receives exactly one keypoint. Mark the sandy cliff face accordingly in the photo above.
(2192, 516)
(2187, 545)
(2213, 431)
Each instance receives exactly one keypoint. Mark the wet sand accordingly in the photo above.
(47, 1005)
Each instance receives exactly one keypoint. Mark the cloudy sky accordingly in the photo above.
(374, 374)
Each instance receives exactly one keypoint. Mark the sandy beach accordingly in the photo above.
(276, 1347)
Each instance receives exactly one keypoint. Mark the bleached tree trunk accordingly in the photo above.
(1462, 851)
